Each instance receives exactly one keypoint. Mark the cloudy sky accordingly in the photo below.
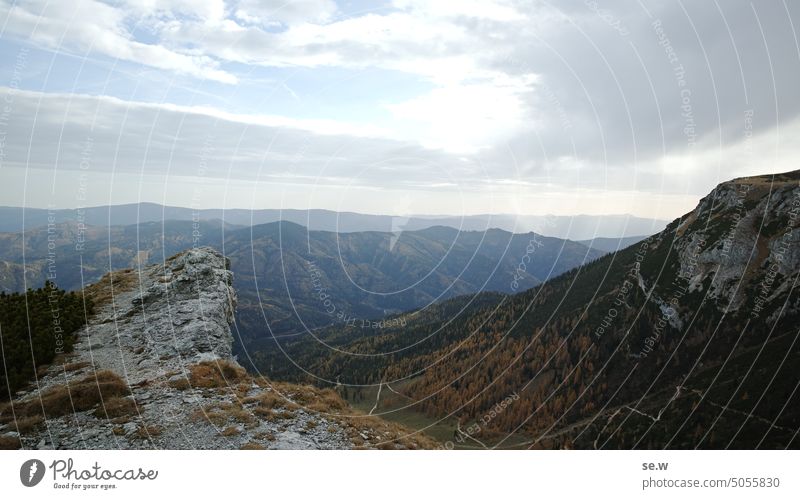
(396, 107)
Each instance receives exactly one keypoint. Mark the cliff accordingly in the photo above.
(739, 247)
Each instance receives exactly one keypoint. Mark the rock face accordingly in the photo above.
(158, 355)
(740, 241)
(177, 314)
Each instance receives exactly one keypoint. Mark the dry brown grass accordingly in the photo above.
(273, 416)
(262, 382)
(6, 413)
(282, 399)
(230, 431)
(81, 395)
(148, 431)
(216, 374)
(9, 443)
(210, 414)
(117, 407)
(24, 425)
(243, 388)
(179, 384)
(269, 400)
(264, 413)
(324, 400)
(75, 366)
(265, 435)
(222, 413)
(293, 397)
(113, 283)
(394, 434)
(252, 446)
(274, 404)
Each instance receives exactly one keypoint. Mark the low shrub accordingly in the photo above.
(117, 407)
(9, 443)
(81, 395)
(252, 446)
(216, 374)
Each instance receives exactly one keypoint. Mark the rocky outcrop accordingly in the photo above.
(740, 241)
(166, 318)
(154, 369)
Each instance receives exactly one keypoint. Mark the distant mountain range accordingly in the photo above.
(577, 227)
(290, 279)
(687, 339)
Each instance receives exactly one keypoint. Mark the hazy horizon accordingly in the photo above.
(394, 107)
(413, 215)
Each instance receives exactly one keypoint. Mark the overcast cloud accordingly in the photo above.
(411, 106)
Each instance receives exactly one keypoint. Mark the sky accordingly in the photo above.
(397, 107)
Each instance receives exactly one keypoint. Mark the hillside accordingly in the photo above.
(154, 369)
(685, 339)
(611, 244)
(293, 279)
(290, 279)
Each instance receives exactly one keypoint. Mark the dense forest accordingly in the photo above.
(35, 326)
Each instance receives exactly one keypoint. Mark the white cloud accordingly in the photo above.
(194, 36)
(271, 12)
(539, 80)
(467, 117)
(263, 161)
(210, 11)
(155, 138)
(87, 25)
(494, 10)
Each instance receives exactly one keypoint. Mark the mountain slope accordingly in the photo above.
(289, 278)
(686, 339)
(610, 244)
(307, 279)
(153, 369)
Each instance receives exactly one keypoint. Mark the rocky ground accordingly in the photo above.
(153, 369)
